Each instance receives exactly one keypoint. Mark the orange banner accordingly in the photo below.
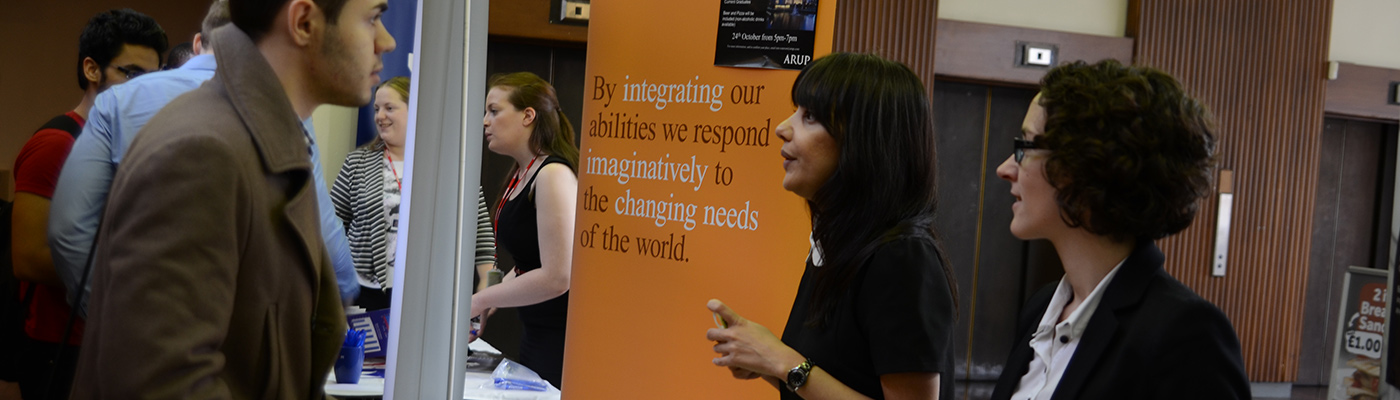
(680, 200)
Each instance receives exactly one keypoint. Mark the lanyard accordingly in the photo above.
(510, 188)
(397, 181)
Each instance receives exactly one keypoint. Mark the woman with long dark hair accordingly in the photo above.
(875, 308)
(535, 215)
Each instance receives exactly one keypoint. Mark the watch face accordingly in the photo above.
(796, 378)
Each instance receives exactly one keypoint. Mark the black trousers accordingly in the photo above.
(374, 299)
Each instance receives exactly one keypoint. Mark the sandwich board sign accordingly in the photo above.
(1356, 362)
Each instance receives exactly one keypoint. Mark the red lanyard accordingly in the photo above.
(510, 188)
(397, 180)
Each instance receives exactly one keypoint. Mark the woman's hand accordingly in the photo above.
(478, 309)
(749, 350)
(478, 326)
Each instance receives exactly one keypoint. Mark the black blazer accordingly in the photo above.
(1150, 338)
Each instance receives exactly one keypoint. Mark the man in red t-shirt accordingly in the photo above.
(115, 46)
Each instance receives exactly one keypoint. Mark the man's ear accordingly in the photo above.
(92, 71)
(305, 22)
(529, 115)
(198, 47)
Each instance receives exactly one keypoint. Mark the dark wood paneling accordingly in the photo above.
(900, 30)
(1348, 225)
(986, 52)
(1362, 91)
(529, 20)
(974, 125)
(1261, 68)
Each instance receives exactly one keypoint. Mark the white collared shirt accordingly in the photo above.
(1054, 343)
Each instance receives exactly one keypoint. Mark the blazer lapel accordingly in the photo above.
(1125, 290)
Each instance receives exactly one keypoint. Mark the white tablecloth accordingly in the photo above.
(478, 385)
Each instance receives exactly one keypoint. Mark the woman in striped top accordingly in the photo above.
(366, 197)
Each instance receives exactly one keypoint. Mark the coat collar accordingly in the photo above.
(1128, 287)
(261, 101)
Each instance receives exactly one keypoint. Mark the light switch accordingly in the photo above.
(576, 10)
(1039, 56)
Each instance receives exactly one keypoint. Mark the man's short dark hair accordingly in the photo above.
(107, 32)
(255, 17)
(1131, 153)
(216, 18)
(178, 55)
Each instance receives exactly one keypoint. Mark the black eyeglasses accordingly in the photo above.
(1020, 148)
(131, 73)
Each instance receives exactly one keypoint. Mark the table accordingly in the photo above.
(478, 385)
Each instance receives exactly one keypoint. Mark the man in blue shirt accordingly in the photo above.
(115, 119)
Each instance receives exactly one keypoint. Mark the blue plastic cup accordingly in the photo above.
(349, 364)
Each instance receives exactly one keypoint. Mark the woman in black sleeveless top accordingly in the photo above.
(535, 215)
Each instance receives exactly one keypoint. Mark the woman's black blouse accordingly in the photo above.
(897, 316)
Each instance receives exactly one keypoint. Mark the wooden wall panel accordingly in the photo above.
(987, 53)
(1361, 92)
(900, 30)
(1261, 68)
(528, 20)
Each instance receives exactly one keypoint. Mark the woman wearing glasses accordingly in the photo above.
(875, 308)
(1114, 157)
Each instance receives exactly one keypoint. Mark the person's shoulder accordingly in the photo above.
(49, 137)
(364, 152)
(910, 247)
(1172, 303)
(172, 82)
(907, 257)
(47, 143)
(555, 171)
(202, 111)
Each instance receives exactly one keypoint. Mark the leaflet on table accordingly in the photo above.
(376, 327)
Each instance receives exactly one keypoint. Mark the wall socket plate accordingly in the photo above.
(1036, 55)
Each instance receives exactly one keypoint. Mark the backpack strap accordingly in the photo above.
(63, 123)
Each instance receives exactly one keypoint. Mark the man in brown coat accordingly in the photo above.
(211, 279)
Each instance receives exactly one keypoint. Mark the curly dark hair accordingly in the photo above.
(105, 34)
(1132, 153)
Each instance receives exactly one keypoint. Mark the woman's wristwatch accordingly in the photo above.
(797, 376)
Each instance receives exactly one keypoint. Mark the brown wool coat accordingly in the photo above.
(211, 279)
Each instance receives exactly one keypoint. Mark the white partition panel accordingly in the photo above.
(433, 274)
